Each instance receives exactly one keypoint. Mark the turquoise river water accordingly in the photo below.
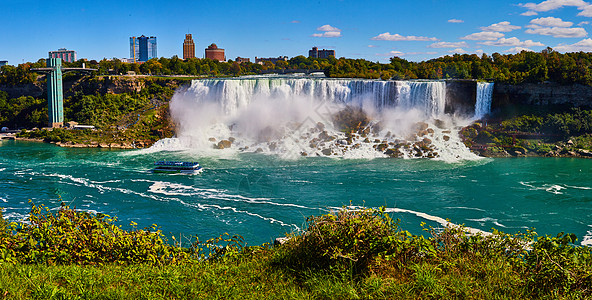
(261, 196)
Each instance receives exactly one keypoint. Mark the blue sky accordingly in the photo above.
(373, 30)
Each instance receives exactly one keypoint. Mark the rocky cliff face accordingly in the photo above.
(461, 96)
(36, 90)
(540, 94)
(110, 85)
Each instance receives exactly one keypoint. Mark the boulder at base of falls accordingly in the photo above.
(439, 123)
(393, 152)
(351, 119)
(382, 147)
(327, 152)
(272, 146)
(324, 135)
(223, 144)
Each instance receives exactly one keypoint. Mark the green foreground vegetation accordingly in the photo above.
(360, 254)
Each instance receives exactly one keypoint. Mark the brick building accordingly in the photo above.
(316, 53)
(215, 53)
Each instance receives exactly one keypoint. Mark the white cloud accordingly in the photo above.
(533, 8)
(553, 4)
(327, 34)
(551, 22)
(458, 50)
(583, 45)
(392, 53)
(586, 11)
(558, 32)
(455, 21)
(512, 42)
(448, 45)
(583, 23)
(399, 53)
(504, 26)
(479, 52)
(517, 50)
(397, 37)
(529, 13)
(483, 36)
(295, 22)
(328, 28)
(373, 46)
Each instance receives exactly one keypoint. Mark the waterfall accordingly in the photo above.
(484, 95)
(233, 95)
(294, 116)
(427, 96)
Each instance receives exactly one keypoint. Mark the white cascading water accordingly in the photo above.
(427, 96)
(294, 117)
(484, 96)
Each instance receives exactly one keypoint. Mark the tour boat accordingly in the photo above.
(182, 167)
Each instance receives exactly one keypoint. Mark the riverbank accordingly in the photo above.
(75, 139)
(555, 134)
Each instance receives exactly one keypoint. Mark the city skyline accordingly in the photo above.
(372, 30)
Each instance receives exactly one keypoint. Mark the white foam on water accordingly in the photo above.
(239, 211)
(579, 187)
(464, 207)
(175, 189)
(487, 219)
(157, 187)
(587, 239)
(551, 188)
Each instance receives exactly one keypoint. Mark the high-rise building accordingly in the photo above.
(215, 53)
(188, 47)
(316, 53)
(143, 48)
(65, 55)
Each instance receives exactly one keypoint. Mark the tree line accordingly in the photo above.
(523, 67)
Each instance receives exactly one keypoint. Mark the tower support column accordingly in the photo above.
(55, 95)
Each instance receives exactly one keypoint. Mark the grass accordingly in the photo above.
(349, 255)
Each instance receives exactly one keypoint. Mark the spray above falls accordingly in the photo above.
(321, 117)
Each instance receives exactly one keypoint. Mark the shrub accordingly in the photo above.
(349, 242)
(71, 236)
(556, 266)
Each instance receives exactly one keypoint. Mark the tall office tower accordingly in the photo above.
(143, 48)
(188, 47)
